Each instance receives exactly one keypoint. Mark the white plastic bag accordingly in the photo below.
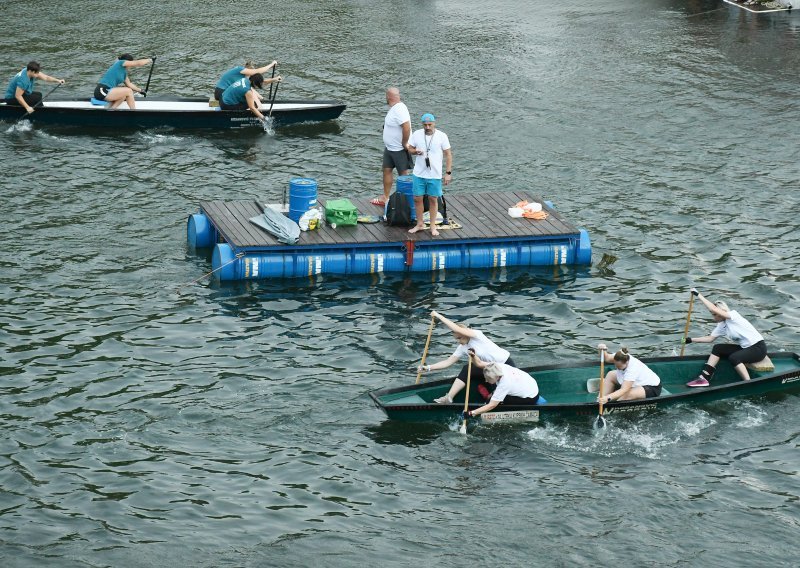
(310, 220)
(515, 211)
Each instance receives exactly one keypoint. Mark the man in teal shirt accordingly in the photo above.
(20, 89)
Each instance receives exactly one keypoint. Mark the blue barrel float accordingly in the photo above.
(294, 263)
(200, 233)
(405, 185)
(302, 197)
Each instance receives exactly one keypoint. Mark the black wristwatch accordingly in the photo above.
(449, 173)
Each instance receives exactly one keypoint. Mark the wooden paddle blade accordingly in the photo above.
(593, 384)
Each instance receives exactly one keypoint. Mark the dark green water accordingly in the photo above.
(149, 424)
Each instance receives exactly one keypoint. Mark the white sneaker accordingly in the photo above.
(443, 400)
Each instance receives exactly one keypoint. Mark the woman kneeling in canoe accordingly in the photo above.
(749, 346)
(631, 379)
(513, 386)
(485, 350)
(242, 95)
(107, 88)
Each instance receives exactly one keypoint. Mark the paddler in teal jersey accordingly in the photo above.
(21, 88)
(242, 95)
(232, 75)
(108, 88)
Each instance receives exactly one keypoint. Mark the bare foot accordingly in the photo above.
(434, 232)
(415, 229)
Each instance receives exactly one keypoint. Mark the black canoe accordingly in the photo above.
(174, 112)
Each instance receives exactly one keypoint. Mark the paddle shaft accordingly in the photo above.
(688, 319)
(466, 395)
(147, 86)
(50, 92)
(273, 76)
(600, 418)
(425, 351)
(272, 102)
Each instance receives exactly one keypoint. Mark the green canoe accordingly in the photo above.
(564, 388)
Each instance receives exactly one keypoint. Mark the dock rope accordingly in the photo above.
(196, 280)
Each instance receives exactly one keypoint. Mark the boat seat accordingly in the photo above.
(765, 365)
(97, 102)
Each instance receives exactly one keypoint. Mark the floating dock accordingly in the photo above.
(487, 238)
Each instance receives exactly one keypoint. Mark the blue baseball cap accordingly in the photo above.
(428, 117)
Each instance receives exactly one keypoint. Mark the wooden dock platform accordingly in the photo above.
(481, 216)
(487, 237)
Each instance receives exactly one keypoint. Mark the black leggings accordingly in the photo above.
(519, 400)
(32, 99)
(736, 354)
(477, 373)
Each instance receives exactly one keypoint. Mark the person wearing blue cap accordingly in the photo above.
(432, 147)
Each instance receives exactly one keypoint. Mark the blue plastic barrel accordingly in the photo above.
(199, 231)
(405, 185)
(302, 197)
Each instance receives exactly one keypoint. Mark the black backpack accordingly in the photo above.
(398, 211)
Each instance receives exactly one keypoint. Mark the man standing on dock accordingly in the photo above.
(396, 131)
(431, 147)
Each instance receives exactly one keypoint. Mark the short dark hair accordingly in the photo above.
(257, 79)
(126, 57)
(34, 66)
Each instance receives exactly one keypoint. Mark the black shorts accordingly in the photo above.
(100, 92)
(32, 99)
(218, 93)
(239, 106)
(400, 160)
(651, 391)
(519, 400)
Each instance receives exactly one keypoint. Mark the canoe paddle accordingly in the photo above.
(272, 102)
(688, 319)
(273, 76)
(466, 396)
(601, 422)
(425, 351)
(50, 92)
(147, 86)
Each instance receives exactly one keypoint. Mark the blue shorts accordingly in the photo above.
(426, 186)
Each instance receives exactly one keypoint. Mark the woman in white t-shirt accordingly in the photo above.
(748, 347)
(630, 380)
(513, 386)
(468, 340)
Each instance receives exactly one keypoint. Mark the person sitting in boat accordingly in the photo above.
(108, 88)
(242, 95)
(748, 347)
(512, 386)
(20, 89)
(232, 75)
(630, 380)
(468, 340)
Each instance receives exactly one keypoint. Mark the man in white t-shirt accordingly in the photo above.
(396, 131)
(431, 146)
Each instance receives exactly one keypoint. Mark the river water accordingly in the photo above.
(149, 420)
